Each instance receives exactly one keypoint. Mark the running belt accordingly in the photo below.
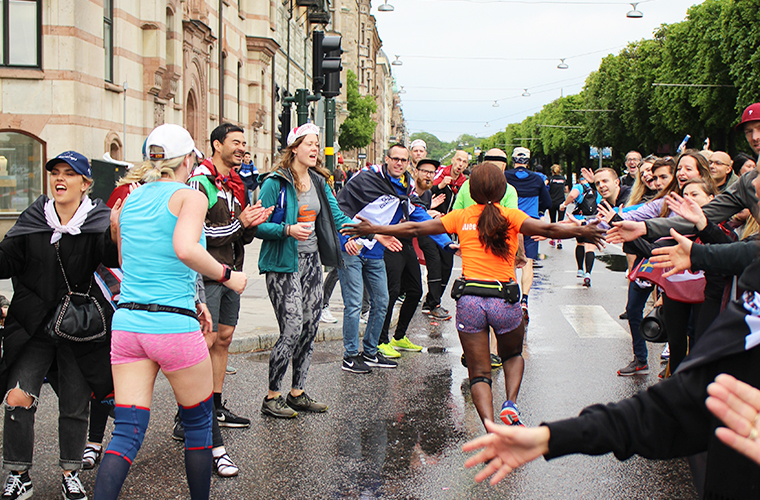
(134, 306)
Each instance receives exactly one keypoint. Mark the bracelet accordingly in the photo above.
(287, 230)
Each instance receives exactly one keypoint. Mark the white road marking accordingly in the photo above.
(593, 322)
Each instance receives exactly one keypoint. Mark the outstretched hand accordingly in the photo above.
(606, 211)
(594, 234)
(687, 208)
(361, 228)
(738, 405)
(677, 257)
(625, 231)
(389, 242)
(506, 448)
(588, 174)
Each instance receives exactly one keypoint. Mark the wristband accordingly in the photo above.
(227, 274)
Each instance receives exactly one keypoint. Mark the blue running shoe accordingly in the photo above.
(509, 414)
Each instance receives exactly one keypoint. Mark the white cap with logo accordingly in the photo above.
(174, 141)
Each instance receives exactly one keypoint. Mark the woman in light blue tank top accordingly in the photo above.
(159, 230)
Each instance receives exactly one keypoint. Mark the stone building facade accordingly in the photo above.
(96, 76)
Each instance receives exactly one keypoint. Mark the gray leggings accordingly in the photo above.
(297, 301)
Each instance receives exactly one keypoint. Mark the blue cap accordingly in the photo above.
(77, 161)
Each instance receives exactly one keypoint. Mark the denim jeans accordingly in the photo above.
(28, 373)
(358, 273)
(637, 299)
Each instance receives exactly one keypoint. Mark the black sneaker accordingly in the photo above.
(178, 432)
(276, 407)
(305, 403)
(72, 487)
(623, 315)
(355, 364)
(635, 367)
(378, 360)
(463, 359)
(496, 361)
(228, 419)
(18, 486)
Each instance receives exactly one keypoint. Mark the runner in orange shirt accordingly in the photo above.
(487, 293)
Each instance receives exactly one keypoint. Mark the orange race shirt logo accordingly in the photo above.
(306, 215)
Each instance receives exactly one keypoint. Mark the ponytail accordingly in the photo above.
(487, 187)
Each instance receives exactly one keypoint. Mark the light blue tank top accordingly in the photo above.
(152, 272)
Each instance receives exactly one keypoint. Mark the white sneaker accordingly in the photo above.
(666, 352)
(327, 316)
(364, 318)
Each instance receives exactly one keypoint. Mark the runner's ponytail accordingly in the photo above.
(487, 187)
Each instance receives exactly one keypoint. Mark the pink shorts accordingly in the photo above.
(172, 351)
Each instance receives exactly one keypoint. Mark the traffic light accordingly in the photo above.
(326, 64)
(283, 129)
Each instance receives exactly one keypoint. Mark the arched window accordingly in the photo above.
(190, 115)
(22, 176)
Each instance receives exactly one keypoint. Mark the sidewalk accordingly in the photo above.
(257, 326)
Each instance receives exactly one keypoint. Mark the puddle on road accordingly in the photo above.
(617, 263)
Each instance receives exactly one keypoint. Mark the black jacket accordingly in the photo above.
(27, 257)
(670, 419)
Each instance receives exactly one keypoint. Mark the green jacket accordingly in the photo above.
(279, 252)
(464, 199)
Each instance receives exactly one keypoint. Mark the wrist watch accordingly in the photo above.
(227, 274)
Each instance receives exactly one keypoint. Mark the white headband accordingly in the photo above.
(305, 129)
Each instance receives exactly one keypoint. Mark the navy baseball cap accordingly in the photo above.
(77, 161)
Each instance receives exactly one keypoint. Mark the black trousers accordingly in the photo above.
(403, 272)
(439, 263)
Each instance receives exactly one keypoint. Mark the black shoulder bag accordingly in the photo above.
(78, 317)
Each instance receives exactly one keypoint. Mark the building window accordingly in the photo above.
(108, 38)
(21, 41)
(21, 171)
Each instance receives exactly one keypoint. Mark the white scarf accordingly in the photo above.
(74, 225)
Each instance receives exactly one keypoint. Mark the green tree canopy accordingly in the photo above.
(359, 127)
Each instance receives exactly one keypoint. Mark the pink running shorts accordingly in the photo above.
(172, 351)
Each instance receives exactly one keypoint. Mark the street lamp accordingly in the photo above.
(402, 91)
(562, 64)
(495, 104)
(526, 93)
(386, 7)
(397, 62)
(487, 125)
(635, 13)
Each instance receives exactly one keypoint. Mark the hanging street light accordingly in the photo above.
(386, 7)
(402, 91)
(562, 64)
(397, 62)
(487, 125)
(526, 93)
(635, 13)
(495, 104)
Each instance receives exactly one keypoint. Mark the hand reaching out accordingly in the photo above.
(389, 242)
(677, 257)
(505, 448)
(437, 200)
(688, 209)
(738, 405)
(606, 211)
(626, 230)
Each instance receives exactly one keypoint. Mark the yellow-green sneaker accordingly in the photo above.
(405, 345)
(388, 351)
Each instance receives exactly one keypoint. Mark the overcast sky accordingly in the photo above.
(459, 56)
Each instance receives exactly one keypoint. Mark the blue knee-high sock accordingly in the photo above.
(197, 421)
(129, 429)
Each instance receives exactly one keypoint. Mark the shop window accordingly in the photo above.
(21, 171)
(21, 41)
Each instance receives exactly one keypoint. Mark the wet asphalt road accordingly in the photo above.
(398, 433)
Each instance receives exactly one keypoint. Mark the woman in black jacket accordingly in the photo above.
(67, 234)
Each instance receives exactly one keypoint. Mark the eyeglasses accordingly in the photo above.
(426, 172)
(719, 163)
(399, 160)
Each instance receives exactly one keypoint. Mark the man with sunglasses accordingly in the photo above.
(381, 194)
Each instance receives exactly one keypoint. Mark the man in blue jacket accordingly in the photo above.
(381, 194)
(532, 198)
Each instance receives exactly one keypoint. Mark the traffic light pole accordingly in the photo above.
(329, 133)
(302, 100)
